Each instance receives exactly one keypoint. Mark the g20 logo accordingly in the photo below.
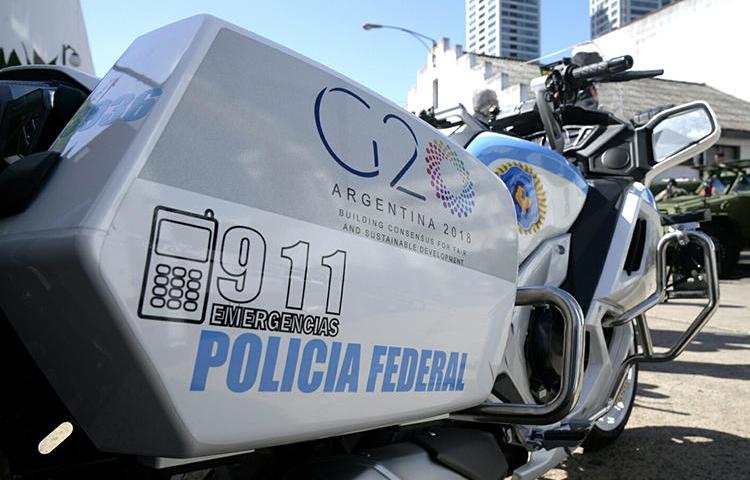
(437, 155)
(375, 170)
(460, 204)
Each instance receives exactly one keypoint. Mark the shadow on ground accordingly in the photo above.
(664, 453)
(648, 390)
(704, 342)
(728, 371)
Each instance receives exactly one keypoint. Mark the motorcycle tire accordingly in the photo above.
(727, 255)
(610, 426)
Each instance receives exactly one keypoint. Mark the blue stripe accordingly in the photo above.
(488, 147)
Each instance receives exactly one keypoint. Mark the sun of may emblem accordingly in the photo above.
(528, 195)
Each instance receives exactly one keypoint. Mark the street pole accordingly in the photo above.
(421, 38)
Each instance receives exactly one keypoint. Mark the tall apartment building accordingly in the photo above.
(504, 28)
(610, 14)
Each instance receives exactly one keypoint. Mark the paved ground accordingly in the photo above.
(692, 416)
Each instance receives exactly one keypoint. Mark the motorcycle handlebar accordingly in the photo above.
(607, 67)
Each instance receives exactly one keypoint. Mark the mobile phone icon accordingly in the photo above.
(180, 258)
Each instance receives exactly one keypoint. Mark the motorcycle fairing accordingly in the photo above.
(547, 191)
(608, 288)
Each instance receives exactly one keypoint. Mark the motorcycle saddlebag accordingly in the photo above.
(241, 248)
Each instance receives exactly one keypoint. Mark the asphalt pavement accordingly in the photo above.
(692, 416)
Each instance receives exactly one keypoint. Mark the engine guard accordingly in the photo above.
(645, 349)
(565, 401)
(572, 375)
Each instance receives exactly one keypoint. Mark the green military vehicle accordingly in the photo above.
(725, 191)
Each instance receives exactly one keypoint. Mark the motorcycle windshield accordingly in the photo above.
(601, 96)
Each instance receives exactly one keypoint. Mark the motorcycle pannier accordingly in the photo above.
(241, 248)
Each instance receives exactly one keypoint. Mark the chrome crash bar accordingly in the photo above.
(572, 374)
(712, 291)
(647, 354)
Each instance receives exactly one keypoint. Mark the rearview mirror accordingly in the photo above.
(680, 133)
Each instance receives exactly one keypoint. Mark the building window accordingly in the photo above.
(730, 152)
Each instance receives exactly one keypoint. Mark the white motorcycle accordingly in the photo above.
(225, 258)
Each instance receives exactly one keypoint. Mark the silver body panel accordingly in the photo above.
(224, 259)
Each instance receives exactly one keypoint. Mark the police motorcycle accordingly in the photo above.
(618, 255)
(223, 260)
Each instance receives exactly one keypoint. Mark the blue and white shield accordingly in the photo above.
(520, 183)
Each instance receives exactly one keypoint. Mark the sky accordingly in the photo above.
(328, 31)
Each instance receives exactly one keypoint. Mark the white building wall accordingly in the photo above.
(459, 75)
(40, 31)
(513, 94)
(692, 40)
